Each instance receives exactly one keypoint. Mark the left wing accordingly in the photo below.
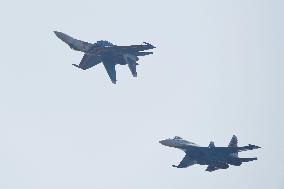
(88, 61)
(186, 162)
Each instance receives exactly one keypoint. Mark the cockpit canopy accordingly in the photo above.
(177, 138)
(103, 43)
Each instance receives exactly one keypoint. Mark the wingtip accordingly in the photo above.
(76, 65)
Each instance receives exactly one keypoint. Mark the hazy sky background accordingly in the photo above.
(217, 71)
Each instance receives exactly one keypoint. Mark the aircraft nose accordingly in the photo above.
(163, 142)
(57, 33)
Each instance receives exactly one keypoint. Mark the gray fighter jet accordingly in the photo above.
(107, 53)
(214, 157)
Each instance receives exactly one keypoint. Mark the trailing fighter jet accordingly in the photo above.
(214, 157)
(107, 53)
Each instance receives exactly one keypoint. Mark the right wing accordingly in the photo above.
(186, 162)
(88, 61)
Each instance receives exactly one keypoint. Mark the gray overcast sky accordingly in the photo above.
(217, 71)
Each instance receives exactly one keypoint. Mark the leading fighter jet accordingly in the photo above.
(214, 157)
(107, 53)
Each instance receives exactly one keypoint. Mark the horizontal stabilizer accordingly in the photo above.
(142, 53)
(247, 159)
(249, 147)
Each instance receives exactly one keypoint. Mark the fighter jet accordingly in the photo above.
(215, 157)
(107, 53)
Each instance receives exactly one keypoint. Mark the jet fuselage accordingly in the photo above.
(107, 53)
(215, 157)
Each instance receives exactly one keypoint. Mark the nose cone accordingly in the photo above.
(163, 142)
(59, 34)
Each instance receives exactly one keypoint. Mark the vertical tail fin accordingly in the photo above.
(211, 145)
(234, 144)
(131, 61)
